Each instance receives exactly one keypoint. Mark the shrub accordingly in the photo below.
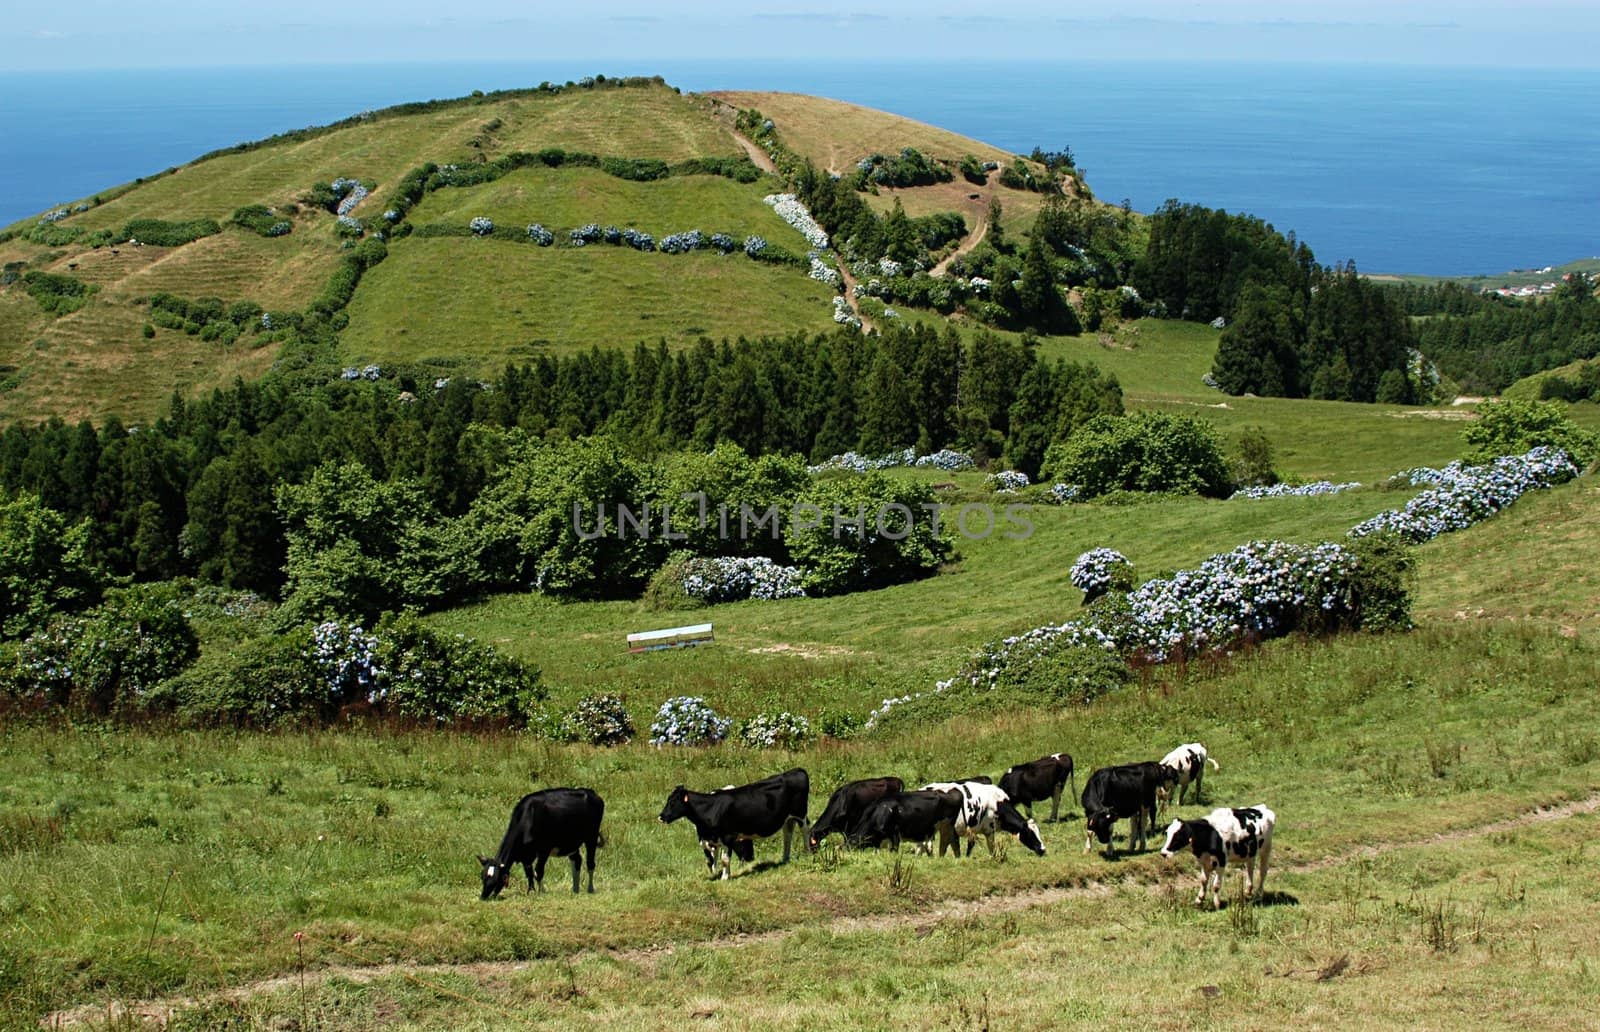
(160, 233)
(259, 683)
(481, 225)
(541, 236)
(259, 219)
(686, 581)
(866, 532)
(782, 730)
(1253, 465)
(636, 169)
(1515, 427)
(111, 658)
(973, 171)
(450, 678)
(687, 720)
(1100, 570)
(1147, 451)
(56, 294)
(1384, 578)
(598, 720)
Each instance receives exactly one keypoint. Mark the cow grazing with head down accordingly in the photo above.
(1044, 778)
(908, 817)
(559, 821)
(1122, 792)
(986, 809)
(848, 803)
(730, 818)
(1188, 765)
(1245, 834)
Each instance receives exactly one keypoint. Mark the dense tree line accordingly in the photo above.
(1491, 347)
(197, 490)
(1294, 328)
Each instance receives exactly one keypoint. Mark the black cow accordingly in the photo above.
(1126, 791)
(848, 803)
(731, 816)
(913, 816)
(1044, 778)
(557, 820)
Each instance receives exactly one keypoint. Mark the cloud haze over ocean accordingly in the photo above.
(178, 33)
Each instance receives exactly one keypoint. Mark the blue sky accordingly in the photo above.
(177, 33)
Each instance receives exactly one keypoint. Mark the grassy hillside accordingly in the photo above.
(482, 303)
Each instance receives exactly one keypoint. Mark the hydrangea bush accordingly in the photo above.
(481, 225)
(598, 720)
(687, 720)
(946, 459)
(790, 210)
(782, 730)
(1321, 487)
(1007, 480)
(728, 579)
(1100, 570)
(346, 659)
(1463, 495)
(541, 236)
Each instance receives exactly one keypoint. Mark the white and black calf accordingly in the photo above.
(1244, 834)
(986, 809)
(1044, 778)
(847, 805)
(1188, 765)
(559, 821)
(1123, 792)
(730, 818)
(908, 817)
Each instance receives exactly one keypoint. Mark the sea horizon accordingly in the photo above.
(1404, 170)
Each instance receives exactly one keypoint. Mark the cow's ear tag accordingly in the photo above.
(686, 797)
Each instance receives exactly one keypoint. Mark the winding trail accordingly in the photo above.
(160, 1012)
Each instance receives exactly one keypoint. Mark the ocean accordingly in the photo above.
(1402, 170)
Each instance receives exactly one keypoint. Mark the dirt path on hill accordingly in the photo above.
(760, 158)
(159, 1012)
(849, 291)
(965, 247)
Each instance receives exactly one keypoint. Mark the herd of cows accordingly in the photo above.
(876, 811)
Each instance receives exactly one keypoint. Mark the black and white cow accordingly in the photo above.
(1188, 763)
(848, 803)
(559, 821)
(985, 809)
(908, 817)
(1245, 834)
(731, 816)
(1044, 778)
(1126, 791)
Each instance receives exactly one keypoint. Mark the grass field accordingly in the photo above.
(835, 134)
(364, 843)
(487, 302)
(564, 199)
(852, 651)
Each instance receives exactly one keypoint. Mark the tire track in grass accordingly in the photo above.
(160, 1011)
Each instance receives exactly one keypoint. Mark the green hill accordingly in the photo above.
(453, 304)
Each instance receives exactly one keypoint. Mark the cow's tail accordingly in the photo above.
(600, 840)
(1214, 765)
(1072, 776)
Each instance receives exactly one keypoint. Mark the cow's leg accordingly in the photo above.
(1088, 841)
(988, 837)
(1249, 878)
(527, 869)
(538, 870)
(727, 860)
(577, 866)
(947, 840)
(1216, 887)
(1261, 877)
(589, 856)
(1055, 806)
(788, 833)
(1205, 880)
